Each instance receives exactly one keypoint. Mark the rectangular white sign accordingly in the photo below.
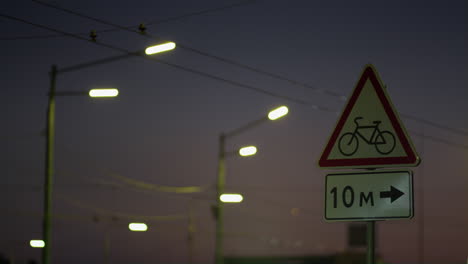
(362, 196)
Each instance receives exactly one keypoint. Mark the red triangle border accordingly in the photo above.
(410, 159)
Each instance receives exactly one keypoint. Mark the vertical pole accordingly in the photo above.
(370, 235)
(12, 256)
(219, 205)
(191, 232)
(421, 203)
(49, 170)
(106, 246)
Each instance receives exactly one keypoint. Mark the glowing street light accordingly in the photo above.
(278, 112)
(231, 198)
(137, 227)
(247, 151)
(160, 48)
(36, 243)
(111, 92)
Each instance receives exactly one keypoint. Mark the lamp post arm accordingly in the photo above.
(246, 127)
(70, 93)
(49, 169)
(98, 62)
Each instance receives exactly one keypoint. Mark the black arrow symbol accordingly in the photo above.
(393, 194)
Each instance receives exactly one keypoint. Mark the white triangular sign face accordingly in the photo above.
(369, 133)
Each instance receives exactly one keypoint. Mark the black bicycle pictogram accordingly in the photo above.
(384, 141)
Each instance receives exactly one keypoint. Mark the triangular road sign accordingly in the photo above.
(369, 133)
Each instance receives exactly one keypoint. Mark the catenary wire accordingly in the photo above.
(242, 65)
(107, 212)
(211, 76)
(191, 49)
(177, 66)
(157, 187)
(158, 21)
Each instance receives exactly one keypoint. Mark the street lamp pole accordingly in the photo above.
(221, 176)
(50, 133)
(221, 180)
(49, 168)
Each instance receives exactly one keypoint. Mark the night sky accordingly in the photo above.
(163, 128)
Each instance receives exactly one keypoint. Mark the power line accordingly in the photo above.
(440, 140)
(421, 120)
(197, 51)
(156, 187)
(102, 211)
(154, 22)
(244, 66)
(137, 185)
(173, 65)
(234, 83)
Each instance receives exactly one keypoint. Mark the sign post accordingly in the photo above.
(369, 136)
(370, 238)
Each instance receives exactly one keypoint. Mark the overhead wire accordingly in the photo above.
(128, 183)
(434, 124)
(214, 77)
(117, 185)
(157, 187)
(173, 65)
(247, 67)
(205, 196)
(118, 180)
(100, 212)
(444, 141)
(191, 49)
(154, 22)
(59, 216)
(148, 188)
(107, 212)
(145, 186)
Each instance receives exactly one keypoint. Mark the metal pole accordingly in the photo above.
(219, 205)
(49, 169)
(370, 242)
(106, 246)
(191, 232)
(421, 203)
(12, 256)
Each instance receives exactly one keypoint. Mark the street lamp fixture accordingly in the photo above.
(247, 151)
(103, 92)
(137, 227)
(36, 243)
(278, 113)
(231, 198)
(160, 48)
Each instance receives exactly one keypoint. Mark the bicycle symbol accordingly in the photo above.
(384, 141)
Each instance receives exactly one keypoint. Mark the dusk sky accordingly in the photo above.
(235, 61)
